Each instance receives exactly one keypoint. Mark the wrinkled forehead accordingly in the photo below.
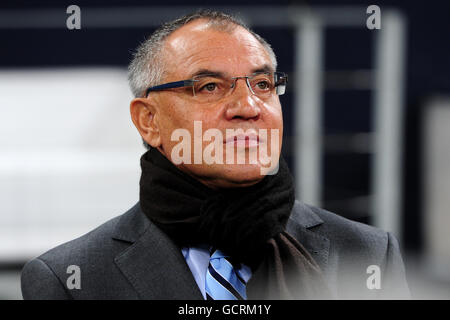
(199, 46)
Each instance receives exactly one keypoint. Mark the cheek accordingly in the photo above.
(169, 122)
(273, 115)
(183, 112)
(274, 120)
(175, 115)
(182, 115)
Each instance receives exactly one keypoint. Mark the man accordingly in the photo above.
(217, 217)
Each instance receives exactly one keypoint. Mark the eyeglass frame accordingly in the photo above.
(190, 83)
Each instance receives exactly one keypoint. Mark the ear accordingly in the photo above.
(144, 116)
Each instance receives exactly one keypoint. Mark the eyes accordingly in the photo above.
(263, 85)
(211, 87)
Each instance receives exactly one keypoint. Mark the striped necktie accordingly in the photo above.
(222, 280)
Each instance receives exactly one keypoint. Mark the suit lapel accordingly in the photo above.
(156, 268)
(300, 225)
(153, 264)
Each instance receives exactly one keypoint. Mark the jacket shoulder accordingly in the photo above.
(93, 253)
(354, 249)
(92, 242)
(350, 234)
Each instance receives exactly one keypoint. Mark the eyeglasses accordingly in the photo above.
(213, 87)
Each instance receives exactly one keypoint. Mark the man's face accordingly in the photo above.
(196, 47)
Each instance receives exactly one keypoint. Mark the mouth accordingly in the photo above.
(241, 140)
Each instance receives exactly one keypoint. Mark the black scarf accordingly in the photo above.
(246, 223)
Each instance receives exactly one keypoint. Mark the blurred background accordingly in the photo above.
(366, 113)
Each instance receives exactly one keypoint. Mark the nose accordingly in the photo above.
(243, 103)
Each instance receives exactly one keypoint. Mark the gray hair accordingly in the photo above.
(146, 68)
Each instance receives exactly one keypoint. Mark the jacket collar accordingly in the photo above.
(131, 225)
(301, 226)
(153, 264)
(156, 268)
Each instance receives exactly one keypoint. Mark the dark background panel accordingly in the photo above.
(346, 111)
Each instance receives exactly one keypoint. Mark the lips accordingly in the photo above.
(247, 140)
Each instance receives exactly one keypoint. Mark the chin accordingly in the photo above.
(235, 176)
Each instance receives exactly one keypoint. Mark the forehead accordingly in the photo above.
(197, 46)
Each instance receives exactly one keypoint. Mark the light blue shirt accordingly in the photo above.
(197, 258)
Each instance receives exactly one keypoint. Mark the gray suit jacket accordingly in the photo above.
(128, 257)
